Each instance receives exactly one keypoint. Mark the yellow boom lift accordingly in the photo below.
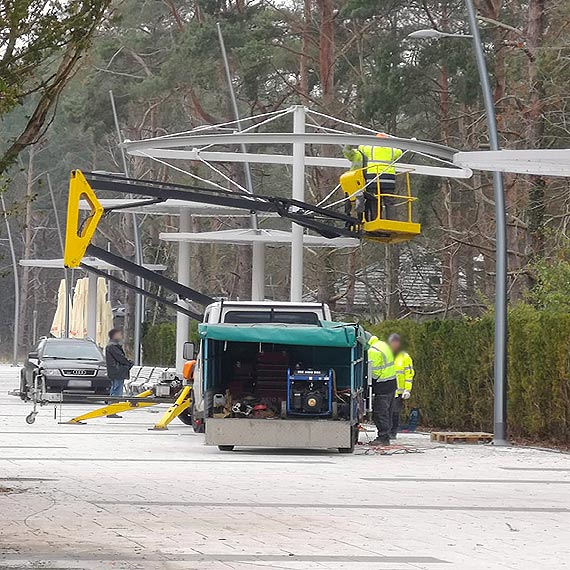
(325, 221)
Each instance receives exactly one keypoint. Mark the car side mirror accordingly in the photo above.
(33, 355)
(188, 351)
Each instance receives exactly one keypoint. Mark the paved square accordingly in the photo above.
(113, 495)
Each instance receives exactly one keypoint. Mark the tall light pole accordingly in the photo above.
(139, 258)
(500, 385)
(258, 249)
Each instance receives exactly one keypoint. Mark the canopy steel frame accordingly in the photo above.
(232, 135)
(149, 146)
(196, 140)
(287, 159)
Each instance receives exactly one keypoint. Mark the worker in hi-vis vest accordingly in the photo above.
(378, 164)
(404, 379)
(383, 379)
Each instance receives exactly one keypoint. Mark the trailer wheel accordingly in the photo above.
(226, 447)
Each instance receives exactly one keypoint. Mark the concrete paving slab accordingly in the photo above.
(113, 495)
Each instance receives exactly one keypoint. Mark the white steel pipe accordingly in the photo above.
(298, 194)
(182, 320)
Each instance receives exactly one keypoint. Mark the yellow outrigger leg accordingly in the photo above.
(182, 403)
(114, 408)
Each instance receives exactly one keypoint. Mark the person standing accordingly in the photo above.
(381, 358)
(404, 379)
(118, 365)
(379, 173)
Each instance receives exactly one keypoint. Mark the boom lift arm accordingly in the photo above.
(78, 244)
(182, 291)
(321, 220)
(142, 291)
(327, 222)
(324, 221)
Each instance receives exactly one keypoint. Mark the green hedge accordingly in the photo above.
(159, 343)
(454, 372)
(454, 369)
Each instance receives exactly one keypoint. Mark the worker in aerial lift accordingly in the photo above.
(383, 387)
(379, 173)
(404, 379)
(118, 365)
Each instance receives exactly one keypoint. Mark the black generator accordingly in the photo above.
(309, 392)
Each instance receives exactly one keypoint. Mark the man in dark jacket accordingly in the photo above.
(118, 365)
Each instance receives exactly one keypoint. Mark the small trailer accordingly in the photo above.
(280, 385)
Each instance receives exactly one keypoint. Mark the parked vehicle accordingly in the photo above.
(278, 375)
(244, 312)
(67, 365)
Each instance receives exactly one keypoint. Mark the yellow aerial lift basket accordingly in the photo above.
(382, 229)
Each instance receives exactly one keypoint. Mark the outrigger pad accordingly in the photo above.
(78, 237)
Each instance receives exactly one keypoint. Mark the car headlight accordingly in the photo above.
(51, 371)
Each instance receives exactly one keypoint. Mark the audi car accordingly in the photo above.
(67, 365)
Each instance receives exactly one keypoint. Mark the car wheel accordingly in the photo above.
(226, 447)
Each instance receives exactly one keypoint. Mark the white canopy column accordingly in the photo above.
(182, 320)
(298, 193)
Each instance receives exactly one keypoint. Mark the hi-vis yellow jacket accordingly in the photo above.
(382, 360)
(404, 372)
(379, 158)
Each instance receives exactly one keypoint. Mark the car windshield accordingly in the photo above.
(71, 350)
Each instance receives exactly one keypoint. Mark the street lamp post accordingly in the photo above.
(500, 372)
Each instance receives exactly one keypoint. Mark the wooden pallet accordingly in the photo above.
(461, 436)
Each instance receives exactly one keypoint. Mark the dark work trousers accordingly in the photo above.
(357, 206)
(396, 411)
(382, 405)
(387, 186)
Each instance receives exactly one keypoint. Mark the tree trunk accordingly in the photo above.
(304, 58)
(450, 275)
(327, 51)
(326, 179)
(351, 279)
(27, 250)
(535, 130)
(392, 286)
